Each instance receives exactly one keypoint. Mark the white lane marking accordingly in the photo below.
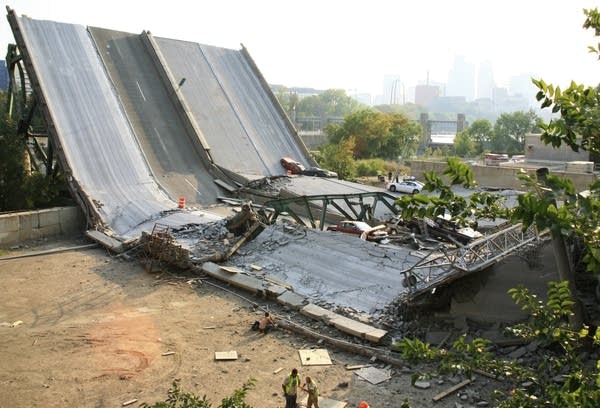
(138, 85)
(191, 185)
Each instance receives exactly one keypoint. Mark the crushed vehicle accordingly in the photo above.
(291, 165)
(441, 228)
(319, 172)
(361, 229)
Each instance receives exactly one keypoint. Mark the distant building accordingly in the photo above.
(461, 79)
(522, 86)
(426, 94)
(485, 80)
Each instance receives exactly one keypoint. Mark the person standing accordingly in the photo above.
(311, 388)
(290, 389)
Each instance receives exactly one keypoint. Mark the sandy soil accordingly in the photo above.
(95, 330)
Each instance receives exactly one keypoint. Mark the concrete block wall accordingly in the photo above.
(23, 226)
(498, 176)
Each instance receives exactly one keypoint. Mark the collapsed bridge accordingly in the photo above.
(136, 122)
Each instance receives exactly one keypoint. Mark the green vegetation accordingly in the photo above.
(20, 189)
(176, 398)
(561, 379)
(376, 134)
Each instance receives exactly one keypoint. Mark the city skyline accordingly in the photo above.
(347, 45)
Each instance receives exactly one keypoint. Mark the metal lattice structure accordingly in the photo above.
(433, 269)
(358, 206)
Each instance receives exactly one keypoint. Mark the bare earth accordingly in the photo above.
(98, 331)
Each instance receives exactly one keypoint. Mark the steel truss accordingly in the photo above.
(358, 206)
(443, 265)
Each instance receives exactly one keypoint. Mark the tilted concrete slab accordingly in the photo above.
(242, 281)
(318, 313)
(291, 299)
(358, 329)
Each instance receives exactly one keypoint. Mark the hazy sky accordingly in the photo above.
(351, 44)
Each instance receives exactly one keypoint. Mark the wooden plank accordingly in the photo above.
(278, 370)
(356, 367)
(129, 402)
(450, 390)
(168, 353)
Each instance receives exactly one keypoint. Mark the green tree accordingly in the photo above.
(481, 132)
(339, 158)
(510, 130)
(13, 175)
(330, 103)
(463, 144)
(376, 134)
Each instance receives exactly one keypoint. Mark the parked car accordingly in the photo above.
(319, 172)
(406, 186)
(291, 165)
(361, 229)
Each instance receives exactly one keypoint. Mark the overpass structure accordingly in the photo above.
(136, 122)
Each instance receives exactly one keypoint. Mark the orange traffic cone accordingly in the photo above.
(181, 203)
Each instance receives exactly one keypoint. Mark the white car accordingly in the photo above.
(406, 186)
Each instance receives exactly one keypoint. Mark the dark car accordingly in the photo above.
(319, 172)
(361, 229)
(291, 165)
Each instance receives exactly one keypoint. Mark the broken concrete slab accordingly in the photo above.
(314, 357)
(242, 281)
(317, 312)
(358, 329)
(374, 375)
(273, 290)
(291, 299)
(108, 242)
(226, 355)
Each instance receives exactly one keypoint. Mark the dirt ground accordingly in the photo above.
(98, 331)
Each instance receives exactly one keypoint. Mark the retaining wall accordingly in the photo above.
(28, 225)
(499, 176)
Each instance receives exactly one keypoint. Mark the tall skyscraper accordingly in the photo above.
(485, 80)
(461, 79)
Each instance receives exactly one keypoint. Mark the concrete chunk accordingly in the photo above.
(291, 299)
(358, 329)
(106, 241)
(317, 312)
(237, 279)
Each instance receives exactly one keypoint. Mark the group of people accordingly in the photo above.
(292, 382)
(290, 390)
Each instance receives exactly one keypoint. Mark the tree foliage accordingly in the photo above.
(177, 398)
(510, 130)
(481, 132)
(330, 103)
(463, 144)
(339, 158)
(377, 134)
(579, 106)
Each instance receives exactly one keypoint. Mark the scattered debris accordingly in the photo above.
(356, 367)
(17, 323)
(423, 385)
(450, 390)
(314, 357)
(374, 375)
(226, 355)
(131, 401)
(209, 327)
(278, 370)
(168, 353)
